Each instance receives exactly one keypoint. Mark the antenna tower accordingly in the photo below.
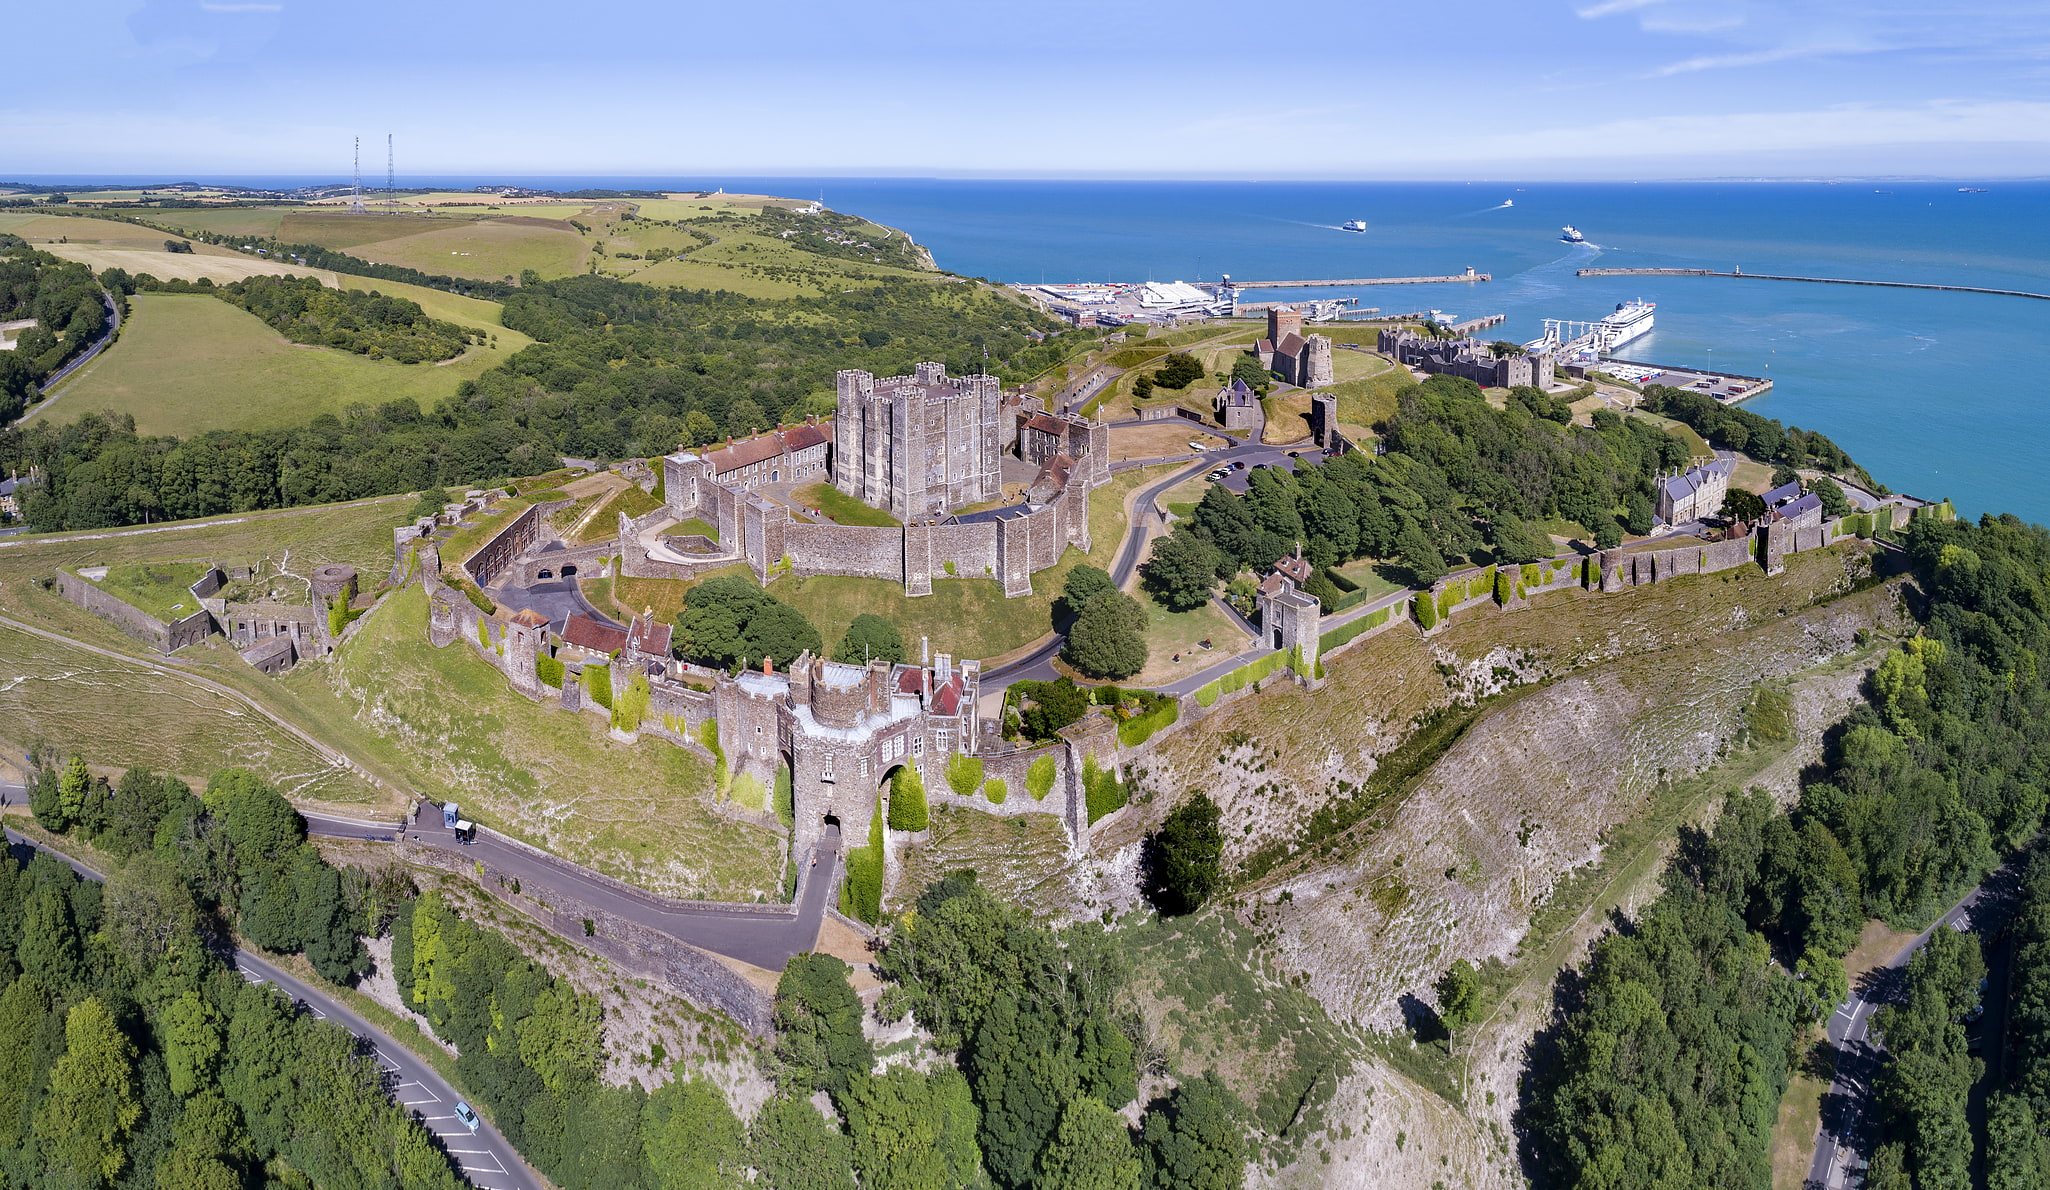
(391, 177)
(356, 195)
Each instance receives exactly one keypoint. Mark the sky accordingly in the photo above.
(1528, 89)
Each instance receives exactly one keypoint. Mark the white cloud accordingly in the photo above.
(1611, 7)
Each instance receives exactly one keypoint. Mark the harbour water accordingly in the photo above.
(1939, 394)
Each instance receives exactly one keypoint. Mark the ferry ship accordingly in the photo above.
(1572, 235)
(1353, 225)
(1630, 320)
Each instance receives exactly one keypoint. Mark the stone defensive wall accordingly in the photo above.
(693, 973)
(164, 636)
(505, 546)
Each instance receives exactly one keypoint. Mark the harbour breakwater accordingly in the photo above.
(1744, 276)
(1468, 275)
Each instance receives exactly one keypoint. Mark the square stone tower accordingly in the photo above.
(918, 445)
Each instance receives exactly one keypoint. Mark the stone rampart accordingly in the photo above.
(693, 973)
(164, 637)
(864, 550)
(505, 546)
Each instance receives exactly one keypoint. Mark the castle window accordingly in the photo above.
(826, 768)
(918, 745)
(940, 738)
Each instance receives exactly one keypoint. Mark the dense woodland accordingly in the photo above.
(1669, 1064)
(305, 311)
(619, 369)
(1460, 476)
(131, 1055)
(64, 299)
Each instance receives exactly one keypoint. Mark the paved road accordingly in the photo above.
(484, 1157)
(1838, 1161)
(113, 326)
(757, 936)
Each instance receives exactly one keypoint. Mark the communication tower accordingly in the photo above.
(356, 193)
(391, 179)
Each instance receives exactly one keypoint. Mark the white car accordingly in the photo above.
(468, 1117)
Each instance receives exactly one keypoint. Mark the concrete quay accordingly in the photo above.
(1743, 276)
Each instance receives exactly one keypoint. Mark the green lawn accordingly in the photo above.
(187, 363)
(158, 589)
(632, 501)
(1169, 633)
(1697, 446)
(840, 507)
(479, 528)
(1365, 573)
(965, 617)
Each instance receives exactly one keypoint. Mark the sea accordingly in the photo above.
(1943, 395)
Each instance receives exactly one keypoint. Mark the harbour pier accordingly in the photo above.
(1468, 275)
(1744, 276)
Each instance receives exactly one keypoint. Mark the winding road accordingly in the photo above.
(483, 1157)
(1843, 1140)
(112, 328)
(762, 936)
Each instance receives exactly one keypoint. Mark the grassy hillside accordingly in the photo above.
(640, 812)
(487, 251)
(187, 363)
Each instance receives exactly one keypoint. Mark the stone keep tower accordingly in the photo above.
(1316, 370)
(1283, 321)
(1290, 618)
(921, 444)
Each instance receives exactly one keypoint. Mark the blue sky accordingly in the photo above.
(1475, 89)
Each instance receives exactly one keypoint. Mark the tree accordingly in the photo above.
(2014, 1150)
(92, 1106)
(1022, 1078)
(1178, 371)
(818, 1020)
(430, 503)
(1607, 533)
(912, 1131)
(870, 638)
(1083, 584)
(1055, 704)
(1108, 640)
(1459, 993)
(907, 800)
(1641, 515)
(693, 1139)
(73, 784)
(1421, 558)
(793, 1147)
(1195, 1140)
(1181, 570)
(745, 417)
(149, 909)
(1834, 502)
(1189, 855)
(1741, 505)
(1091, 1150)
(729, 621)
(323, 922)
(1246, 367)
(192, 1042)
(1515, 542)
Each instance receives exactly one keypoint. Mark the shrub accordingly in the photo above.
(907, 800)
(862, 894)
(996, 791)
(1208, 694)
(632, 705)
(1505, 588)
(1426, 611)
(964, 774)
(1140, 728)
(549, 670)
(598, 684)
(484, 633)
(1102, 789)
(1039, 778)
(1533, 574)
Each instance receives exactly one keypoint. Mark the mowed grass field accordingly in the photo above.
(187, 363)
(486, 251)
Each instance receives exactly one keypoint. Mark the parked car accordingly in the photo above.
(468, 1117)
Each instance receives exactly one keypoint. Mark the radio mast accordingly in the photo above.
(391, 183)
(356, 194)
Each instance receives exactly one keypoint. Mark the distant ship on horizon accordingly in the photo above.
(1353, 225)
(1508, 202)
(1571, 235)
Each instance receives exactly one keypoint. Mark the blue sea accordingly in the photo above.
(1938, 394)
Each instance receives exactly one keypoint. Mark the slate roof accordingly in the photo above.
(1291, 344)
(587, 633)
(1237, 394)
(1785, 491)
(764, 447)
(1679, 487)
(1793, 509)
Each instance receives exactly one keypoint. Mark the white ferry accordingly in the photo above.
(1630, 320)
(1571, 235)
(1353, 225)
(1508, 202)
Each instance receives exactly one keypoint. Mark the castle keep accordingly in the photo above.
(918, 445)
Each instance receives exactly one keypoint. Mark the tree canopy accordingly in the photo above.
(730, 622)
(1108, 640)
(870, 638)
